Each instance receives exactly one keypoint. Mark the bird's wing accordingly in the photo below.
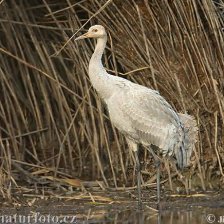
(190, 126)
(151, 116)
(191, 133)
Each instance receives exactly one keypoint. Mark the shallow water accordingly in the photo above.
(195, 216)
(103, 215)
(203, 208)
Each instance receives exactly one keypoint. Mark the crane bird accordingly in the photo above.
(140, 113)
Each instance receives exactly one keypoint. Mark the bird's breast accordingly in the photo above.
(118, 117)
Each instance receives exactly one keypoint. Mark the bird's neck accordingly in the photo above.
(97, 73)
(96, 58)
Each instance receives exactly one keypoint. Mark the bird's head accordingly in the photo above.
(96, 31)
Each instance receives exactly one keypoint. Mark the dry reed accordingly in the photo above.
(54, 124)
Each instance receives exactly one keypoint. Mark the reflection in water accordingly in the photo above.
(194, 216)
(119, 214)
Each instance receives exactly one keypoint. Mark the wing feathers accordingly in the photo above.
(152, 118)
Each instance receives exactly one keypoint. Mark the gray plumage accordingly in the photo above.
(140, 113)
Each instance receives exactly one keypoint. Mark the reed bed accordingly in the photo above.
(53, 126)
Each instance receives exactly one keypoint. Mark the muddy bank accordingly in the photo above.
(118, 207)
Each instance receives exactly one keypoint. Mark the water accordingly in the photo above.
(206, 208)
(103, 215)
(194, 216)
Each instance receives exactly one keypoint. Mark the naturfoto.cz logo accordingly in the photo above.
(37, 218)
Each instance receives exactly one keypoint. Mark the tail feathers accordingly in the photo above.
(190, 137)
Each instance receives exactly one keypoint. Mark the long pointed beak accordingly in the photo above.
(85, 35)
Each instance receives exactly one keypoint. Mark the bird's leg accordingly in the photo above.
(138, 168)
(157, 164)
(134, 147)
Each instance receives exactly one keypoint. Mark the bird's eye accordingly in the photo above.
(95, 30)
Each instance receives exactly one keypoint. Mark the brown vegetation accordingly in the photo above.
(53, 124)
